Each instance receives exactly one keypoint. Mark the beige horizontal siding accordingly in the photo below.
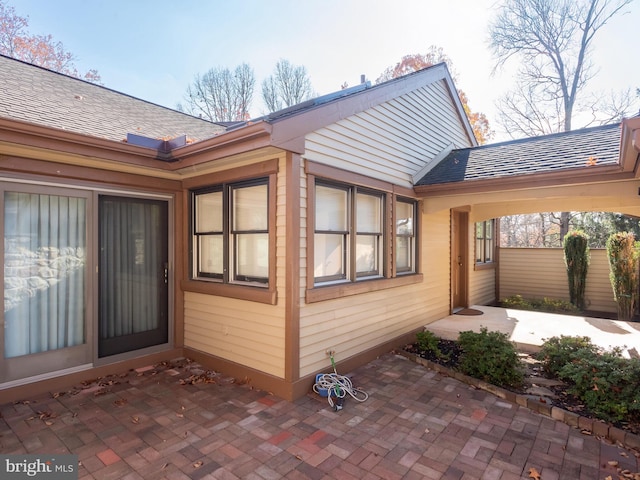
(247, 333)
(394, 140)
(354, 324)
(541, 272)
(482, 286)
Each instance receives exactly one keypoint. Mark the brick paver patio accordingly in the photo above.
(176, 421)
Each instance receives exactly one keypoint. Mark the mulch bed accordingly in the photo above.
(451, 358)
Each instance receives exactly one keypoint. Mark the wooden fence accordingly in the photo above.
(541, 272)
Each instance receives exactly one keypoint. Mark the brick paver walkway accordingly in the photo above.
(174, 421)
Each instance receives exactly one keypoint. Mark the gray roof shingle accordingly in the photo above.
(37, 95)
(548, 153)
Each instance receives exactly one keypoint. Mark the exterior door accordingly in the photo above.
(133, 274)
(459, 259)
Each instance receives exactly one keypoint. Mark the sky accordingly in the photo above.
(153, 49)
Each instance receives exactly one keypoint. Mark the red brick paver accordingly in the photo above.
(162, 422)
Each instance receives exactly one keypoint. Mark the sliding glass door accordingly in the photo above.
(45, 239)
(133, 274)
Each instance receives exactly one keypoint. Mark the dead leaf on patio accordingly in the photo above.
(164, 466)
(613, 463)
(135, 420)
(197, 464)
(48, 423)
(57, 394)
(586, 432)
(196, 379)
(533, 473)
(179, 415)
(120, 402)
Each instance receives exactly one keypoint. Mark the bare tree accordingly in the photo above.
(221, 95)
(553, 40)
(288, 85)
(16, 42)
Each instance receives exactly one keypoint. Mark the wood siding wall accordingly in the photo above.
(482, 285)
(540, 272)
(247, 333)
(354, 324)
(392, 141)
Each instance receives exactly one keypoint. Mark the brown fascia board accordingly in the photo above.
(582, 175)
(245, 139)
(31, 135)
(630, 145)
(47, 138)
(289, 132)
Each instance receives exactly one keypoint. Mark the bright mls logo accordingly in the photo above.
(50, 467)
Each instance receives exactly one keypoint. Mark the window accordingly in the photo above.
(348, 233)
(231, 233)
(351, 240)
(405, 236)
(484, 241)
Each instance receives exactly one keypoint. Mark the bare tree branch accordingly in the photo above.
(221, 95)
(552, 39)
(288, 85)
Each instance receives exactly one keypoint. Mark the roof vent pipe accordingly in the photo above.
(363, 78)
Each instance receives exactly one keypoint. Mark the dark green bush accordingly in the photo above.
(428, 342)
(607, 383)
(576, 258)
(556, 352)
(490, 356)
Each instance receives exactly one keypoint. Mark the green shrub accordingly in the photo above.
(490, 356)
(556, 352)
(428, 342)
(576, 258)
(607, 383)
(622, 252)
(550, 305)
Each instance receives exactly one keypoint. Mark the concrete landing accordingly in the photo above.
(530, 329)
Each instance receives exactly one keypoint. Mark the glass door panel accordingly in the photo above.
(133, 276)
(45, 282)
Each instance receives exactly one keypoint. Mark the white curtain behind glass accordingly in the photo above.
(44, 273)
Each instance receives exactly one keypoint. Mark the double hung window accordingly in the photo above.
(348, 234)
(231, 233)
(485, 245)
(405, 236)
(353, 241)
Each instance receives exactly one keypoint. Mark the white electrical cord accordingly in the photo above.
(338, 386)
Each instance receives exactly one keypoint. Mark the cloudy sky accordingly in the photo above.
(152, 49)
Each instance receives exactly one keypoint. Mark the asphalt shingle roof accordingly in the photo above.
(548, 153)
(37, 95)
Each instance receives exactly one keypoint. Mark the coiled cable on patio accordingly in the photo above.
(336, 386)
